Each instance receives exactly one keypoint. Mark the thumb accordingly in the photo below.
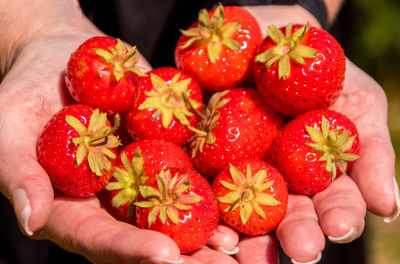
(82, 227)
(29, 189)
(22, 180)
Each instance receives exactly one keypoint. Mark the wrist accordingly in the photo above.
(281, 15)
(23, 21)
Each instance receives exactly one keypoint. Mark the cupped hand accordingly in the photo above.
(32, 91)
(338, 212)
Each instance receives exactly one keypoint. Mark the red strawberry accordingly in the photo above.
(299, 68)
(160, 111)
(77, 149)
(268, 120)
(225, 134)
(314, 148)
(181, 204)
(102, 74)
(136, 163)
(219, 48)
(252, 196)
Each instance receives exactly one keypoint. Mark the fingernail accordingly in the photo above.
(316, 260)
(22, 209)
(229, 252)
(157, 260)
(346, 238)
(396, 212)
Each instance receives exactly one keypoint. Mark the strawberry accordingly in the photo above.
(181, 204)
(225, 134)
(101, 73)
(219, 48)
(314, 148)
(77, 149)
(160, 111)
(135, 164)
(299, 68)
(270, 122)
(252, 196)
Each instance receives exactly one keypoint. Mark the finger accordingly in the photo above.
(341, 210)
(144, 65)
(375, 176)
(377, 158)
(22, 179)
(28, 187)
(224, 239)
(259, 249)
(299, 232)
(209, 256)
(82, 227)
(190, 260)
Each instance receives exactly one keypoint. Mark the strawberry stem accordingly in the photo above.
(191, 107)
(92, 141)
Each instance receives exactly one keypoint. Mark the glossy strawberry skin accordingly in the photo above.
(268, 121)
(57, 154)
(256, 225)
(196, 224)
(232, 68)
(91, 81)
(157, 155)
(314, 85)
(237, 138)
(299, 163)
(141, 124)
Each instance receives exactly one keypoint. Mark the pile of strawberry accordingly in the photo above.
(237, 125)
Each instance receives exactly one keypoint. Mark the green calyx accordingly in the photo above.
(212, 32)
(168, 198)
(129, 178)
(333, 145)
(208, 121)
(122, 59)
(169, 100)
(247, 192)
(95, 141)
(287, 47)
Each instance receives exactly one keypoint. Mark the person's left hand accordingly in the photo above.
(339, 211)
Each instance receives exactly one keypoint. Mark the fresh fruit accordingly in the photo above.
(161, 111)
(270, 122)
(225, 134)
(252, 196)
(77, 149)
(299, 68)
(219, 48)
(181, 204)
(314, 148)
(101, 73)
(135, 164)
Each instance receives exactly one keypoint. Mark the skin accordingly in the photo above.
(339, 211)
(33, 58)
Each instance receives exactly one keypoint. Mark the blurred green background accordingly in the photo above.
(373, 43)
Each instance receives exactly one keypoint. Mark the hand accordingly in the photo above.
(339, 211)
(32, 91)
